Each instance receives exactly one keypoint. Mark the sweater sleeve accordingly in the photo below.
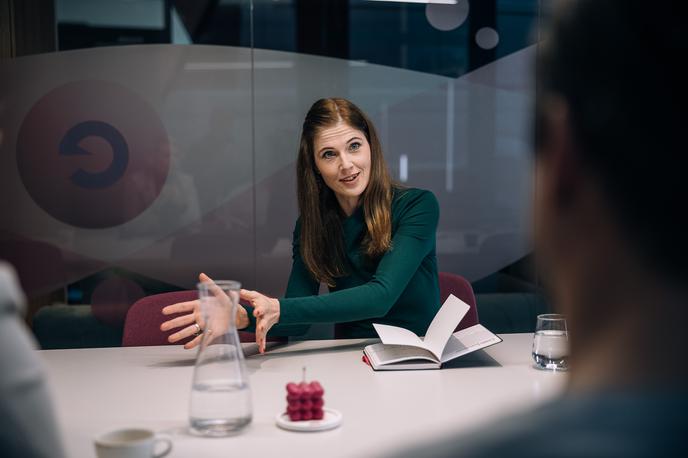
(414, 238)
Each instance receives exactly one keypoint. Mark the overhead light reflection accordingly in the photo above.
(403, 168)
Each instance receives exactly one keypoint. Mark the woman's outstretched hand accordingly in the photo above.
(267, 312)
(192, 320)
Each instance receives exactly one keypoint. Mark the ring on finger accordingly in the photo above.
(199, 331)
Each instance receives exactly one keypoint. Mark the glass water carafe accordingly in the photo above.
(220, 393)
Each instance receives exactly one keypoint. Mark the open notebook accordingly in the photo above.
(402, 349)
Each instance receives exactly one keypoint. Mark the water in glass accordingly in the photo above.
(550, 343)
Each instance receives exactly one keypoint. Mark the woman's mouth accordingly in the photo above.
(350, 179)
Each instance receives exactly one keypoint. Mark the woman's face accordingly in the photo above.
(342, 156)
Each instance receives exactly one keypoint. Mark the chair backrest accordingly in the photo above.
(461, 288)
(142, 324)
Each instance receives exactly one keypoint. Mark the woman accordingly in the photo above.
(370, 241)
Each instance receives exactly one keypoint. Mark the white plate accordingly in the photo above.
(331, 419)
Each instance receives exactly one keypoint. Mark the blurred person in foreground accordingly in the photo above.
(611, 235)
(28, 425)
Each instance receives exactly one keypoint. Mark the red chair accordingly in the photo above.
(142, 324)
(461, 288)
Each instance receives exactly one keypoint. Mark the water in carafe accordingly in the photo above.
(220, 394)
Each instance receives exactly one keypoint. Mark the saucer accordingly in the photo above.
(332, 418)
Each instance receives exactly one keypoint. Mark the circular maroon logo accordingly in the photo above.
(93, 154)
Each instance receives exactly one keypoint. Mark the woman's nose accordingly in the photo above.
(346, 161)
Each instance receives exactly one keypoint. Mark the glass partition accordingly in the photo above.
(160, 139)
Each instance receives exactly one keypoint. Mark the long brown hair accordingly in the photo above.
(321, 238)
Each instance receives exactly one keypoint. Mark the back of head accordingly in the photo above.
(610, 166)
(618, 66)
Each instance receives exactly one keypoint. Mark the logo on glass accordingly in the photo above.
(69, 146)
(93, 154)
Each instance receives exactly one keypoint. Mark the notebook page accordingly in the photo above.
(393, 335)
(467, 341)
(444, 323)
(389, 354)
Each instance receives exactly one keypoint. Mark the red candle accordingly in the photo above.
(305, 400)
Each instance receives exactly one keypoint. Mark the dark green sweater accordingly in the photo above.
(401, 288)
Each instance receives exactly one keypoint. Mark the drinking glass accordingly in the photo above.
(220, 394)
(551, 343)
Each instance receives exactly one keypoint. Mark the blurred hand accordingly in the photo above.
(193, 316)
(267, 312)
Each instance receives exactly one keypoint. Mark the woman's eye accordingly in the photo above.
(328, 154)
(354, 146)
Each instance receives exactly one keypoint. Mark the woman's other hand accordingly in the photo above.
(267, 312)
(192, 320)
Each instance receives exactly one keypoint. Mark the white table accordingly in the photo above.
(97, 390)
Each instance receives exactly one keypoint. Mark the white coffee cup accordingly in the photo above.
(131, 443)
